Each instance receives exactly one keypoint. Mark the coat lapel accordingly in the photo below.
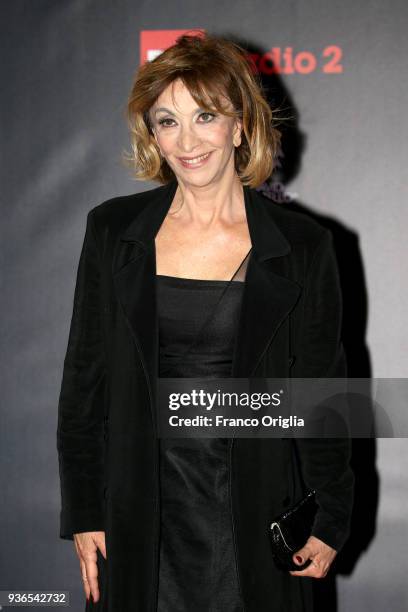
(268, 295)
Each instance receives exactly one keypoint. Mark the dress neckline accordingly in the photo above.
(206, 280)
(178, 280)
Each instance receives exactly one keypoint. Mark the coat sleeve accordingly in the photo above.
(324, 462)
(80, 431)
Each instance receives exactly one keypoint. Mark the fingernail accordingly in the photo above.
(299, 559)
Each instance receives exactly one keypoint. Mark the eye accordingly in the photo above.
(211, 115)
(163, 121)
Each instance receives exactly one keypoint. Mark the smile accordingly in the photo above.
(195, 161)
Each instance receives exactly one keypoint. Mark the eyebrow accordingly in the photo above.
(166, 110)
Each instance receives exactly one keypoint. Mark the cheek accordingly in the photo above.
(220, 136)
(166, 142)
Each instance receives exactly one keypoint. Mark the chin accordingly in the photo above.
(199, 181)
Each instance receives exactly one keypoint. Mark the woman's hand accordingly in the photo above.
(321, 554)
(86, 545)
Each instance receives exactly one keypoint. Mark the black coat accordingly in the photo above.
(107, 442)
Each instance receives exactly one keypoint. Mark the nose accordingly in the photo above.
(188, 139)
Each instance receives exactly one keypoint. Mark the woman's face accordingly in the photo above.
(185, 133)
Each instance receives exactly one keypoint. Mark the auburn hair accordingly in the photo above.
(211, 68)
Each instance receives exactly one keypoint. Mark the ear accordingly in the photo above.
(237, 136)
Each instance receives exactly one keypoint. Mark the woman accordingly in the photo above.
(174, 525)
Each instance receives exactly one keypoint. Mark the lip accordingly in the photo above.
(199, 164)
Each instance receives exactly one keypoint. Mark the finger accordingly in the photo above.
(91, 566)
(303, 554)
(102, 546)
(316, 569)
(77, 548)
(85, 579)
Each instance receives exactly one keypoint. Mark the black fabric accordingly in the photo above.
(107, 428)
(183, 307)
(197, 559)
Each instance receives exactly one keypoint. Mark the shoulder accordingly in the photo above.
(300, 229)
(117, 212)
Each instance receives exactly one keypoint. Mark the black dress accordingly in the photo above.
(197, 558)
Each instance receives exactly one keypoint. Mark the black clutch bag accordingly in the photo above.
(290, 531)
